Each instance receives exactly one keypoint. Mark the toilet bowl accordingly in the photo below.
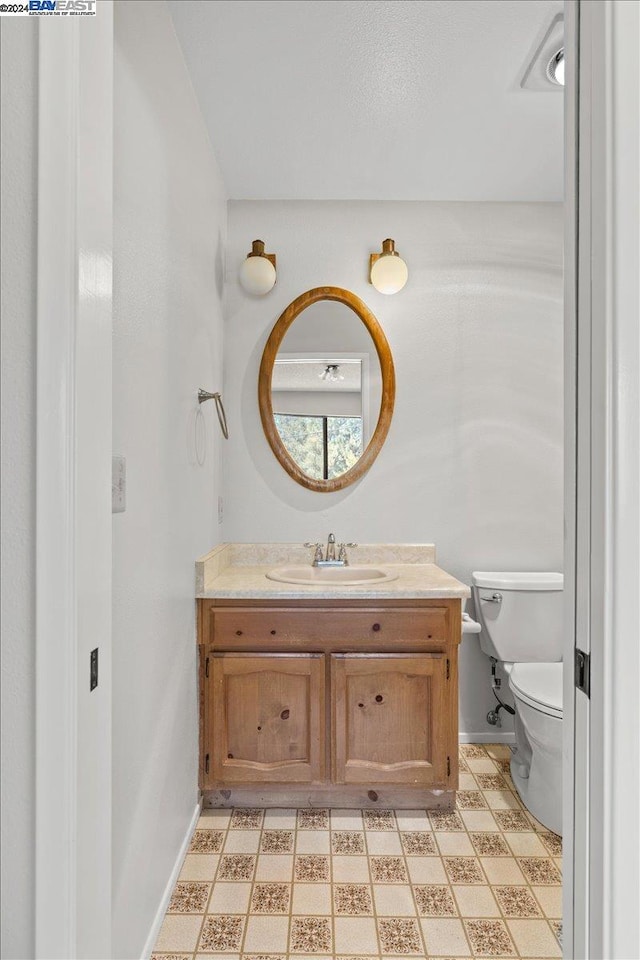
(536, 764)
(521, 619)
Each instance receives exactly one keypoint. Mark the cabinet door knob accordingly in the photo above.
(238, 633)
(376, 627)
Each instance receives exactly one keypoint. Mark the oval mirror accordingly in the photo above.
(326, 389)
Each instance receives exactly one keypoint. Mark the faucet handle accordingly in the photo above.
(317, 547)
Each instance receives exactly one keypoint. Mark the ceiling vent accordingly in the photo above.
(545, 70)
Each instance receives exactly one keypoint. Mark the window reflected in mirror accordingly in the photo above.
(318, 412)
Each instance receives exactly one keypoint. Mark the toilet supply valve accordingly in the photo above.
(493, 716)
(496, 682)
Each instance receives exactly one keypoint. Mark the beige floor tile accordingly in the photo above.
(313, 841)
(503, 870)
(393, 900)
(413, 820)
(426, 870)
(534, 938)
(454, 844)
(350, 869)
(310, 898)
(381, 842)
(501, 800)
(242, 841)
(346, 820)
(298, 956)
(467, 781)
(399, 934)
(478, 820)
(310, 935)
(445, 938)
(221, 933)
(268, 934)
(230, 898)
(481, 765)
(499, 751)
(214, 819)
(179, 933)
(475, 901)
(550, 899)
(199, 866)
(526, 844)
(190, 897)
(280, 819)
(489, 937)
(355, 935)
(274, 867)
(220, 956)
(246, 818)
(540, 871)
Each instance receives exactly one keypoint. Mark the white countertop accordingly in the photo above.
(239, 571)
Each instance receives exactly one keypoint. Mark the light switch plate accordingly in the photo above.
(118, 485)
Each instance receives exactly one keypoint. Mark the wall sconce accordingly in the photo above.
(387, 270)
(258, 271)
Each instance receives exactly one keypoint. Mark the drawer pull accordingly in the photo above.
(376, 627)
(238, 633)
(361, 704)
(284, 715)
(229, 756)
(372, 795)
(379, 698)
(259, 728)
(273, 633)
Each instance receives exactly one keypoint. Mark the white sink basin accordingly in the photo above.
(333, 576)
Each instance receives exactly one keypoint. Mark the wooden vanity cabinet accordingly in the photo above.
(329, 703)
(266, 717)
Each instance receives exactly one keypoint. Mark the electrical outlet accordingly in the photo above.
(118, 485)
(220, 509)
(93, 669)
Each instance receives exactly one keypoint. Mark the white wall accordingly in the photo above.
(169, 239)
(19, 44)
(473, 460)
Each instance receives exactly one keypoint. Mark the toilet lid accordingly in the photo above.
(539, 685)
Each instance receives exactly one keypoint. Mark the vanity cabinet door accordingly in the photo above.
(266, 719)
(390, 720)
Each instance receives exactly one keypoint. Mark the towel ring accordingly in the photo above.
(222, 417)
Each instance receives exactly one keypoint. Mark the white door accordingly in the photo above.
(73, 487)
(602, 793)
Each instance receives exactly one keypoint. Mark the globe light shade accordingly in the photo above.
(389, 272)
(258, 273)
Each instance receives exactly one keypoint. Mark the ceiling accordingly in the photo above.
(375, 99)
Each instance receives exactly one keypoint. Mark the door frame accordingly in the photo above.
(603, 479)
(73, 479)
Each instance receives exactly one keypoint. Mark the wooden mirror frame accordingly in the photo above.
(388, 387)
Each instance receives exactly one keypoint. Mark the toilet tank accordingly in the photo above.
(521, 615)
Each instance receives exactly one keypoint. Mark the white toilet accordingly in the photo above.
(521, 619)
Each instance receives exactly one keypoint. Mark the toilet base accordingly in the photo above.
(539, 791)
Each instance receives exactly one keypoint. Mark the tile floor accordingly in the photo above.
(483, 881)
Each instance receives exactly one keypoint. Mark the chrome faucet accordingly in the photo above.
(329, 559)
(331, 548)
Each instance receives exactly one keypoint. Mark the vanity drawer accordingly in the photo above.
(241, 628)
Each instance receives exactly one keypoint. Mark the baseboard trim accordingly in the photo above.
(171, 882)
(507, 736)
